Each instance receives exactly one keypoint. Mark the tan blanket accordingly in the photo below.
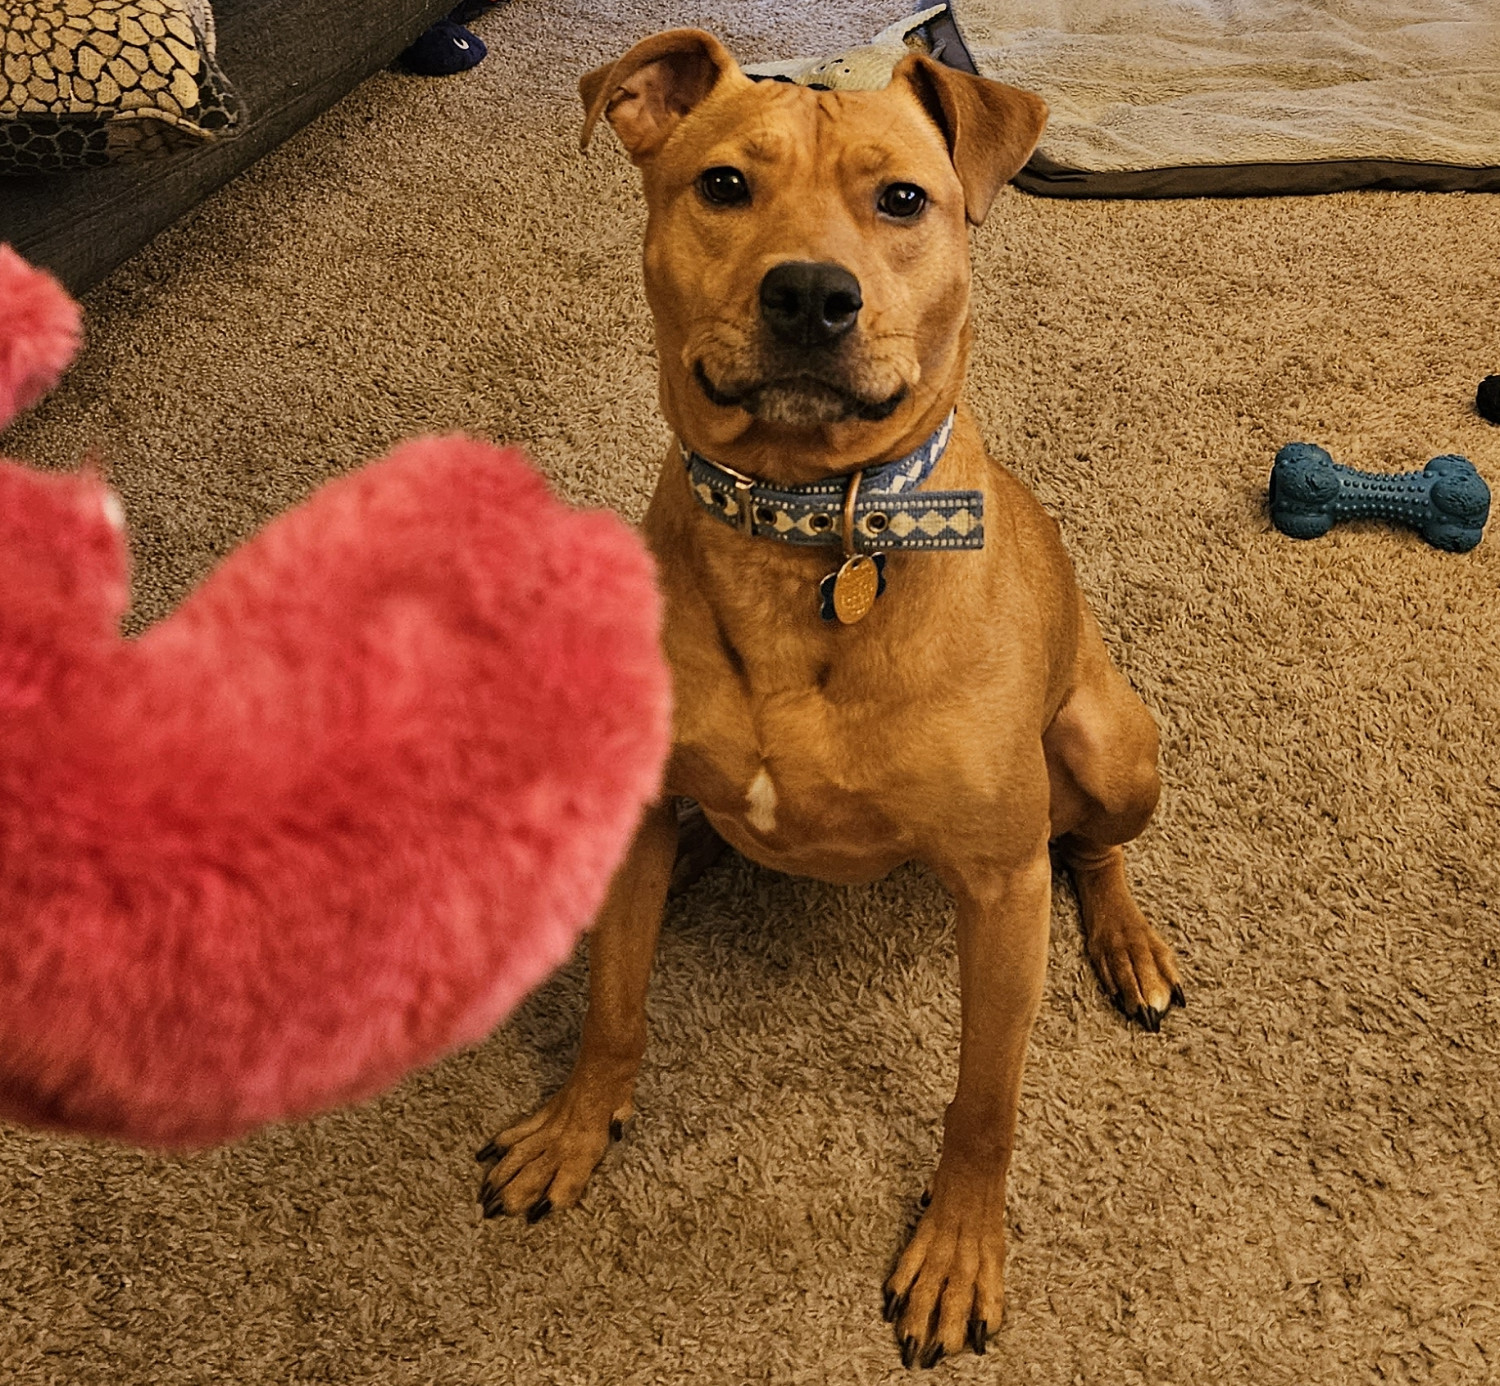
(1390, 93)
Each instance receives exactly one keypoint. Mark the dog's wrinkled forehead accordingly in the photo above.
(856, 137)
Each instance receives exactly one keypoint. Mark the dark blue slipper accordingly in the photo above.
(442, 50)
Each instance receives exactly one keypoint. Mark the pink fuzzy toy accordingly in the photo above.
(41, 329)
(332, 818)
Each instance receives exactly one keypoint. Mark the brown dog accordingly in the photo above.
(806, 260)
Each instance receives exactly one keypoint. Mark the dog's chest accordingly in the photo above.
(789, 776)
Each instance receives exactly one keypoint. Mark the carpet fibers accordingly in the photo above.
(1295, 1182)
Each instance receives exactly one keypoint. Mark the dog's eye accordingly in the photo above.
(724, 186)
(902, 200)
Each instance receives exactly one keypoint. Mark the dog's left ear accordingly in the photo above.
(991, 128)
(647, 92)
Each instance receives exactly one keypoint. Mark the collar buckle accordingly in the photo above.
(743, 486)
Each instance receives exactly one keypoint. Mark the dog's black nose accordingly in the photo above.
(809, 304)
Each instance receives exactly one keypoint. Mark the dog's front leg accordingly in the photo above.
(948, 1285)
(543, 1162)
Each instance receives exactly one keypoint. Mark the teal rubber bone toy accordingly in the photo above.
(1447, 502)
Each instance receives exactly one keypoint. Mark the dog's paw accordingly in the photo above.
(1136, 967)
(948, 1288)
(543, 1163)
(1135, 964)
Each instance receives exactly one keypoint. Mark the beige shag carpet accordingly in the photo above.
(1296, 1182)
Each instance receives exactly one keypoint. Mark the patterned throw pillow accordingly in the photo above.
(83, 82)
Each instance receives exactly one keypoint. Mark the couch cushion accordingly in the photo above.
(87, 81)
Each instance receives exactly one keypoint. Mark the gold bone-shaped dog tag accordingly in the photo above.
(855, 587)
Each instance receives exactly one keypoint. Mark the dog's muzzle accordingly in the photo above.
(805, 367)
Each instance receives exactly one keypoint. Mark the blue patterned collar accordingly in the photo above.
(888, 511)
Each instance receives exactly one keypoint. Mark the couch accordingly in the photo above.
(288, 61)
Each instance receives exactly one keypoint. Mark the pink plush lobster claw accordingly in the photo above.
(41, 329)
(330, 819)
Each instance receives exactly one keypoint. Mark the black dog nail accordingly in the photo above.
(932, 1356)
(616, 1128)
(1179, 998)
(539, 1209)
(908, 1351)
(926, 1199)
(487, 1152)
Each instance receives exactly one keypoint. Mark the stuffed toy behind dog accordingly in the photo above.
(332, 818)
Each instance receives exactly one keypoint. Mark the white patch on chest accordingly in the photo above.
(760, 800)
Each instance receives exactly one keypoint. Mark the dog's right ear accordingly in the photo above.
(650, 89)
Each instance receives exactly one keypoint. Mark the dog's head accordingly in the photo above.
(806, 251)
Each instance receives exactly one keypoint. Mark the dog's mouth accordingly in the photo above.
(798, 400)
